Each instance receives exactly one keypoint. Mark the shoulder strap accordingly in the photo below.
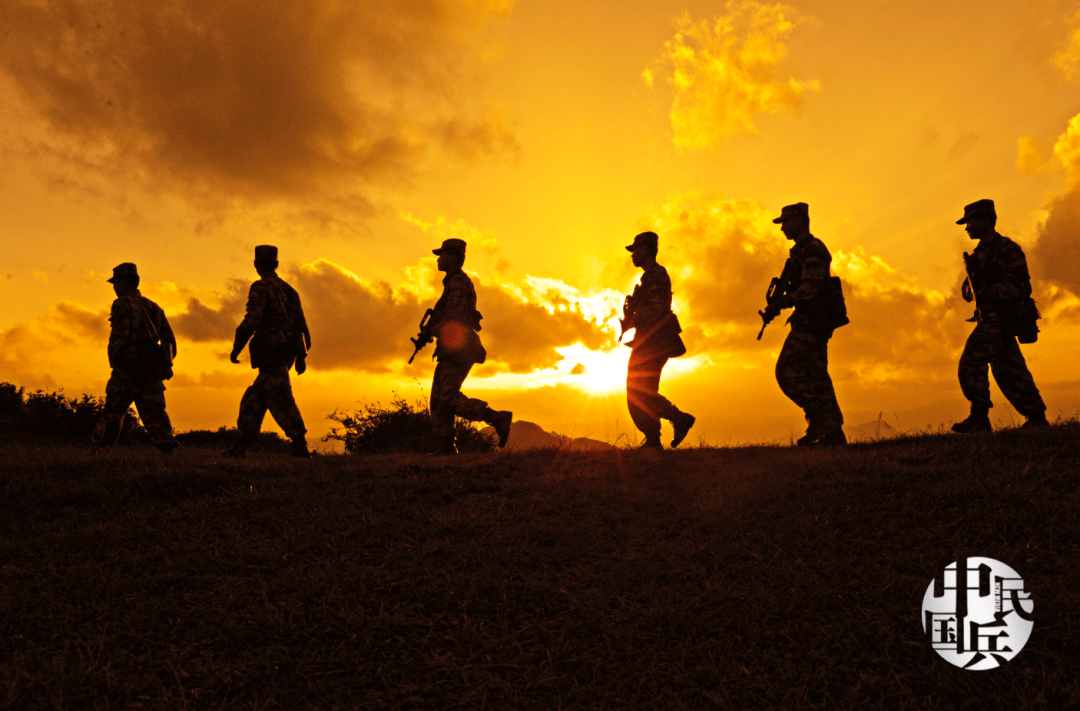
(150, 329)
(284, 307)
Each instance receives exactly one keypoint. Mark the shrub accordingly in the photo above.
(399, 428)
(225, 437)
(54, 414)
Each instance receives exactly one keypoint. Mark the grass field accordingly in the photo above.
(704, 578)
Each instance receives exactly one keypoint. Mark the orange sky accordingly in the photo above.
(357, 136)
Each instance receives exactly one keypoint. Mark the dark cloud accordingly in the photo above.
(258, 98)
(366, 326)
(81, 321)
(521, 336)
(201, 323)
(1055, 254)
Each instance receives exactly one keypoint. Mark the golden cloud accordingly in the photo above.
(721, 255)
(31, 352)
(258, 99)
(1067, 59)
(1057, 244)
(727, 71)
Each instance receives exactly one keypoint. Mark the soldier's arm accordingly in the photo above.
(165, 330)
(657, 296)
(1015, 280)
(814, 273)
(256, 304)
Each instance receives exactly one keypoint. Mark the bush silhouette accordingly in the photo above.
(55, 414)
(399, 428)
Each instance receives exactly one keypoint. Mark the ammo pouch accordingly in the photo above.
(1018, 318)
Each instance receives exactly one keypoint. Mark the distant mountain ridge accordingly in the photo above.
(528, 435)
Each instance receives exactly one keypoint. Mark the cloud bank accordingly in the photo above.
(721, 255)
(259, 99)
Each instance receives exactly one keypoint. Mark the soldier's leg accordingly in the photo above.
(119, 394)
(443, 385)
(1013, 377)
(802, 371)
(981, 348)
(150, 402)
(792, 370)
(643, 398)
(468, 408)
(823, 394)
(253, 408)
(279, 399)
(454, 403)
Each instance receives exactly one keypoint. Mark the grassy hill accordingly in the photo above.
(755, 577)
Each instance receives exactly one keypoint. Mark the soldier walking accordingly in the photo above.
(997, 278)
(656, 339)
(141, 349)
(802, 370)
(454, 324)
(275, 325)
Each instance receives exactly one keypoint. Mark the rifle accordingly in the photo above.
(630, 313)
(425, 336)
(778, 287)
(969, 288)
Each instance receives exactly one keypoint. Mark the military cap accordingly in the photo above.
(266, 253)
(649, 239)
(451, 246)
(799, 209)
(979, 208)
(127, 270)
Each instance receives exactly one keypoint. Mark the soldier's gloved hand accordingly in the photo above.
(234, 356)
(307, 341)
(301, 366)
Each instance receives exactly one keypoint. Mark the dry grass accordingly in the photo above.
(740, 578)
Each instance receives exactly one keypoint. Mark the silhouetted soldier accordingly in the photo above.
(656, 339)
(141, 349)
(802, 370)
(279, 336)
(998, 274)
(454, 323)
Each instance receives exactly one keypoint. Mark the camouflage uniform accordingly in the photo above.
(1000, 274)
(138, 370)
(656, 339)
(457, 349)
(802, 370)
(273, 323)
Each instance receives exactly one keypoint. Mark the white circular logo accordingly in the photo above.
(977, 613)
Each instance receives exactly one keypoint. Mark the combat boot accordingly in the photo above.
(651, 443)
(682, 422)
(500, 420)
(239, 448)
(1036, 421)
(167, 447)
(836, 437)
(299, 448)
(977, 421)
(447, 447)
(819, 425)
